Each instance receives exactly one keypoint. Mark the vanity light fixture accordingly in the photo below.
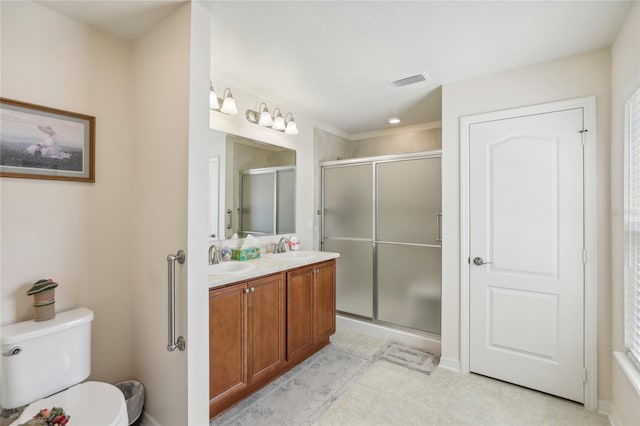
(290, 125)
(276, 121)
(227, 101)
(214, 103)
(265, 118)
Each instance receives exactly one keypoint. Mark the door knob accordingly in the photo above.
(478, 261)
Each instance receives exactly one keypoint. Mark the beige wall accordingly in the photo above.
(625, 78)
(76, 233)
(576, 76)
(400, 143)
(160, 183)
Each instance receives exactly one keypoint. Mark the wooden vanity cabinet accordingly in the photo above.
(311, 307)
(246, 338)
(261, 328)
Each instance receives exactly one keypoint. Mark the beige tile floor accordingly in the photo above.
(389, 394)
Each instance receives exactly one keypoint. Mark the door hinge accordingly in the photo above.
(584, 375)
(584, 256)
(582, 132)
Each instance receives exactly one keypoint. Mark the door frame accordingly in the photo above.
(590, 231)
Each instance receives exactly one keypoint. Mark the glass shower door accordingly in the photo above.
(347, 199)
(286, 202)
(257, 204)
(408, 247)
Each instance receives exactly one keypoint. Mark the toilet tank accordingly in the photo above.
(42, 358)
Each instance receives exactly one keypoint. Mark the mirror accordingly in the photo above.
(252, 188)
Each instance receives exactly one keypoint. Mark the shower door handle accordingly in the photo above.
(230, 219)
(439, 227)
(171, 278)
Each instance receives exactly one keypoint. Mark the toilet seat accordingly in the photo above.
(88, 403)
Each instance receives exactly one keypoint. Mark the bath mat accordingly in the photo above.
(310, 387)
(9, 415)
(412, 358)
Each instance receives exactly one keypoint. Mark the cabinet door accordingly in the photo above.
(266, 326)
(227, 341)
(299, 311)
(324, 290)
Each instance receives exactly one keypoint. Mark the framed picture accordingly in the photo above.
(38, 142)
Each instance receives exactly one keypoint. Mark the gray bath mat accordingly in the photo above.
(412, 358)
(301, 395)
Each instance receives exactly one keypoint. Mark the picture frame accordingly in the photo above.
(38, 142)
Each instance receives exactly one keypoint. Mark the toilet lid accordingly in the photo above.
(88, 403)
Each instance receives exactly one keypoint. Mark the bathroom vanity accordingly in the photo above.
(266, 321)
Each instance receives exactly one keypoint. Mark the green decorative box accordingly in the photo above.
(246, 254)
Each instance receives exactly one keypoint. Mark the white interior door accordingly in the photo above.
(526, 224)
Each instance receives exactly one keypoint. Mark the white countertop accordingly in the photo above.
(269, 264)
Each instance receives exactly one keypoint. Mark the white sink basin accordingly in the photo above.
(293, 255)
(230, 268)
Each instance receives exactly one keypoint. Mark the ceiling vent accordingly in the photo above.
(410, 80)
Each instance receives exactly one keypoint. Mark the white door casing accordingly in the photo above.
(522, 209)
(214, 198)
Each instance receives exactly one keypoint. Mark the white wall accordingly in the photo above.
(198, 210)
(74, 232)
(625, 77)
(161, 107)
(576, 76)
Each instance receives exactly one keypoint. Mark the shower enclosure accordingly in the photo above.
(267, 201)
(383, 215)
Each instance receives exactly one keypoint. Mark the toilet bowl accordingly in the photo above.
(88, 403)
(45, 365)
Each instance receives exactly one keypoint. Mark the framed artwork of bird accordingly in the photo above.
(39, 142)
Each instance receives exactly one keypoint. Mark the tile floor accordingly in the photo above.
(389, 394)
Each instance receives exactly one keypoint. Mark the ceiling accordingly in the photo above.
(335, 60)
(123, 18)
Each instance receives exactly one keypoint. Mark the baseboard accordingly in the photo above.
(147, 420)
(426, 342)
(449, 364)
(614, 420)
(604, 407)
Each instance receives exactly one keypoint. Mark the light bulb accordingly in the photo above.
(292, 128)
(278, 121)
(213, 98)
(229, 104)
(265, 118)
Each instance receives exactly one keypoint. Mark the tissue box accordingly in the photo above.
(246, 254)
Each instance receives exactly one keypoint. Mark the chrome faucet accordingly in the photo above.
(282, 245)
(214, 255)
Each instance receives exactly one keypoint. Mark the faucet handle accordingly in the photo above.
(214, 254)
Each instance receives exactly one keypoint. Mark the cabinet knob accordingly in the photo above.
(253, 289)
(247, 290)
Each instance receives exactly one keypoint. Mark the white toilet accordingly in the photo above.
(44, 364)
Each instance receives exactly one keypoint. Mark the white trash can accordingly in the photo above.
(133, 392)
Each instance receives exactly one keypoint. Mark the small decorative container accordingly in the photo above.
(294, 243)
(225, 254)
(44, 299)
(246, 254)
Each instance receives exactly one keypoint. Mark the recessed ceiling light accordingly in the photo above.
(394, 120)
